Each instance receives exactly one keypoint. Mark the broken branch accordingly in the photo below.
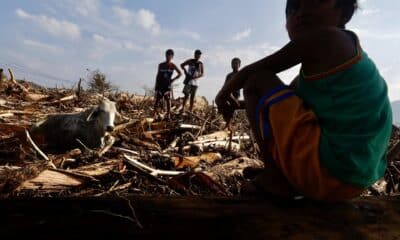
(153, 172)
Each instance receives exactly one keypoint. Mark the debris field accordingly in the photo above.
(189, 154)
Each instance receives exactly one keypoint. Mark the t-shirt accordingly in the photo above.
(194, 71)
(164, 75)
(355, 116)
(236, 93)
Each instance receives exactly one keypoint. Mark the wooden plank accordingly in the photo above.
(50, 180)
(199, 218)
(99, 169)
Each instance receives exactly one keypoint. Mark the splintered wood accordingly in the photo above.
(188, 154)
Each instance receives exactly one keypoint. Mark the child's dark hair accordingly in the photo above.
(1, 70)
(235, 59)
(348, 7)
(169, 52)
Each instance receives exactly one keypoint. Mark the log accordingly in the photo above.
(214, 136)
(193, 161)
(189, 126)
(12, 78)
(6, 115)
(64, 99)
(18, 112)
(35, 97)
(98, 169)
(51, 181)
(154, 172)
(125, 125)
(146, 144)
(205, 140)
(229, 171)
(219, 145)
(199, 218)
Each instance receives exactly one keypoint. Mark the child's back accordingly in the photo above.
(354, 115)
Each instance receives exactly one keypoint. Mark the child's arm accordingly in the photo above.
(318, 50)
(288, 56)
(201, 71)
(157, 77)
(179, 73)
(310, 49)
(183, 66)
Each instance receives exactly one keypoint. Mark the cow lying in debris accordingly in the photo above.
(61, 131)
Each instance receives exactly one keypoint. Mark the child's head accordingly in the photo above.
(169, 54)
(235, 63)
(302, 14)
(197, 54)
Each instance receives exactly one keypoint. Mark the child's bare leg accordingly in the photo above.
(156, 106)
(271, 179)
(185, 98)
(168, 101)
(191, 102)
(254, 89)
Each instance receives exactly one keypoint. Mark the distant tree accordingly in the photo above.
(98, 83)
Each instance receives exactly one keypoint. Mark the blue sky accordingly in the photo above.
(54, 42)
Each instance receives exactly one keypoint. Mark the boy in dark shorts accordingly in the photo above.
(325, 136)
(164, 81)
(194, 71)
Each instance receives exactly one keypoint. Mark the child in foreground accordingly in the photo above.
(325, 136)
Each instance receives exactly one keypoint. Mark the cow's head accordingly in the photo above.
(104, 114)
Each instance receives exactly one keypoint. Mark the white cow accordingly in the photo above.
(61, 131)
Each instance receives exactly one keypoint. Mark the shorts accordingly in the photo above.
(292, 133)
(163, 91)
(189, 90)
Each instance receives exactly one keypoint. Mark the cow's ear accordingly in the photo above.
(92, 114)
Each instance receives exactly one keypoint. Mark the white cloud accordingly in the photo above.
(129, 45)
(193, 35)
(147, 20)
(87, 7)
(53, 26)
(104, 45)
(387, 35)
(222, 55)
(391, 75)
(22, 14)
(369, 12)
(125, 16)
(143, 18)
(42, 46)
(241, 35)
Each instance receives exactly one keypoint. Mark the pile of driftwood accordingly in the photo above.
(189, 154)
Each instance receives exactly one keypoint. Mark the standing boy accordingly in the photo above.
(194, 71)
(235, 64)
(164, 80)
